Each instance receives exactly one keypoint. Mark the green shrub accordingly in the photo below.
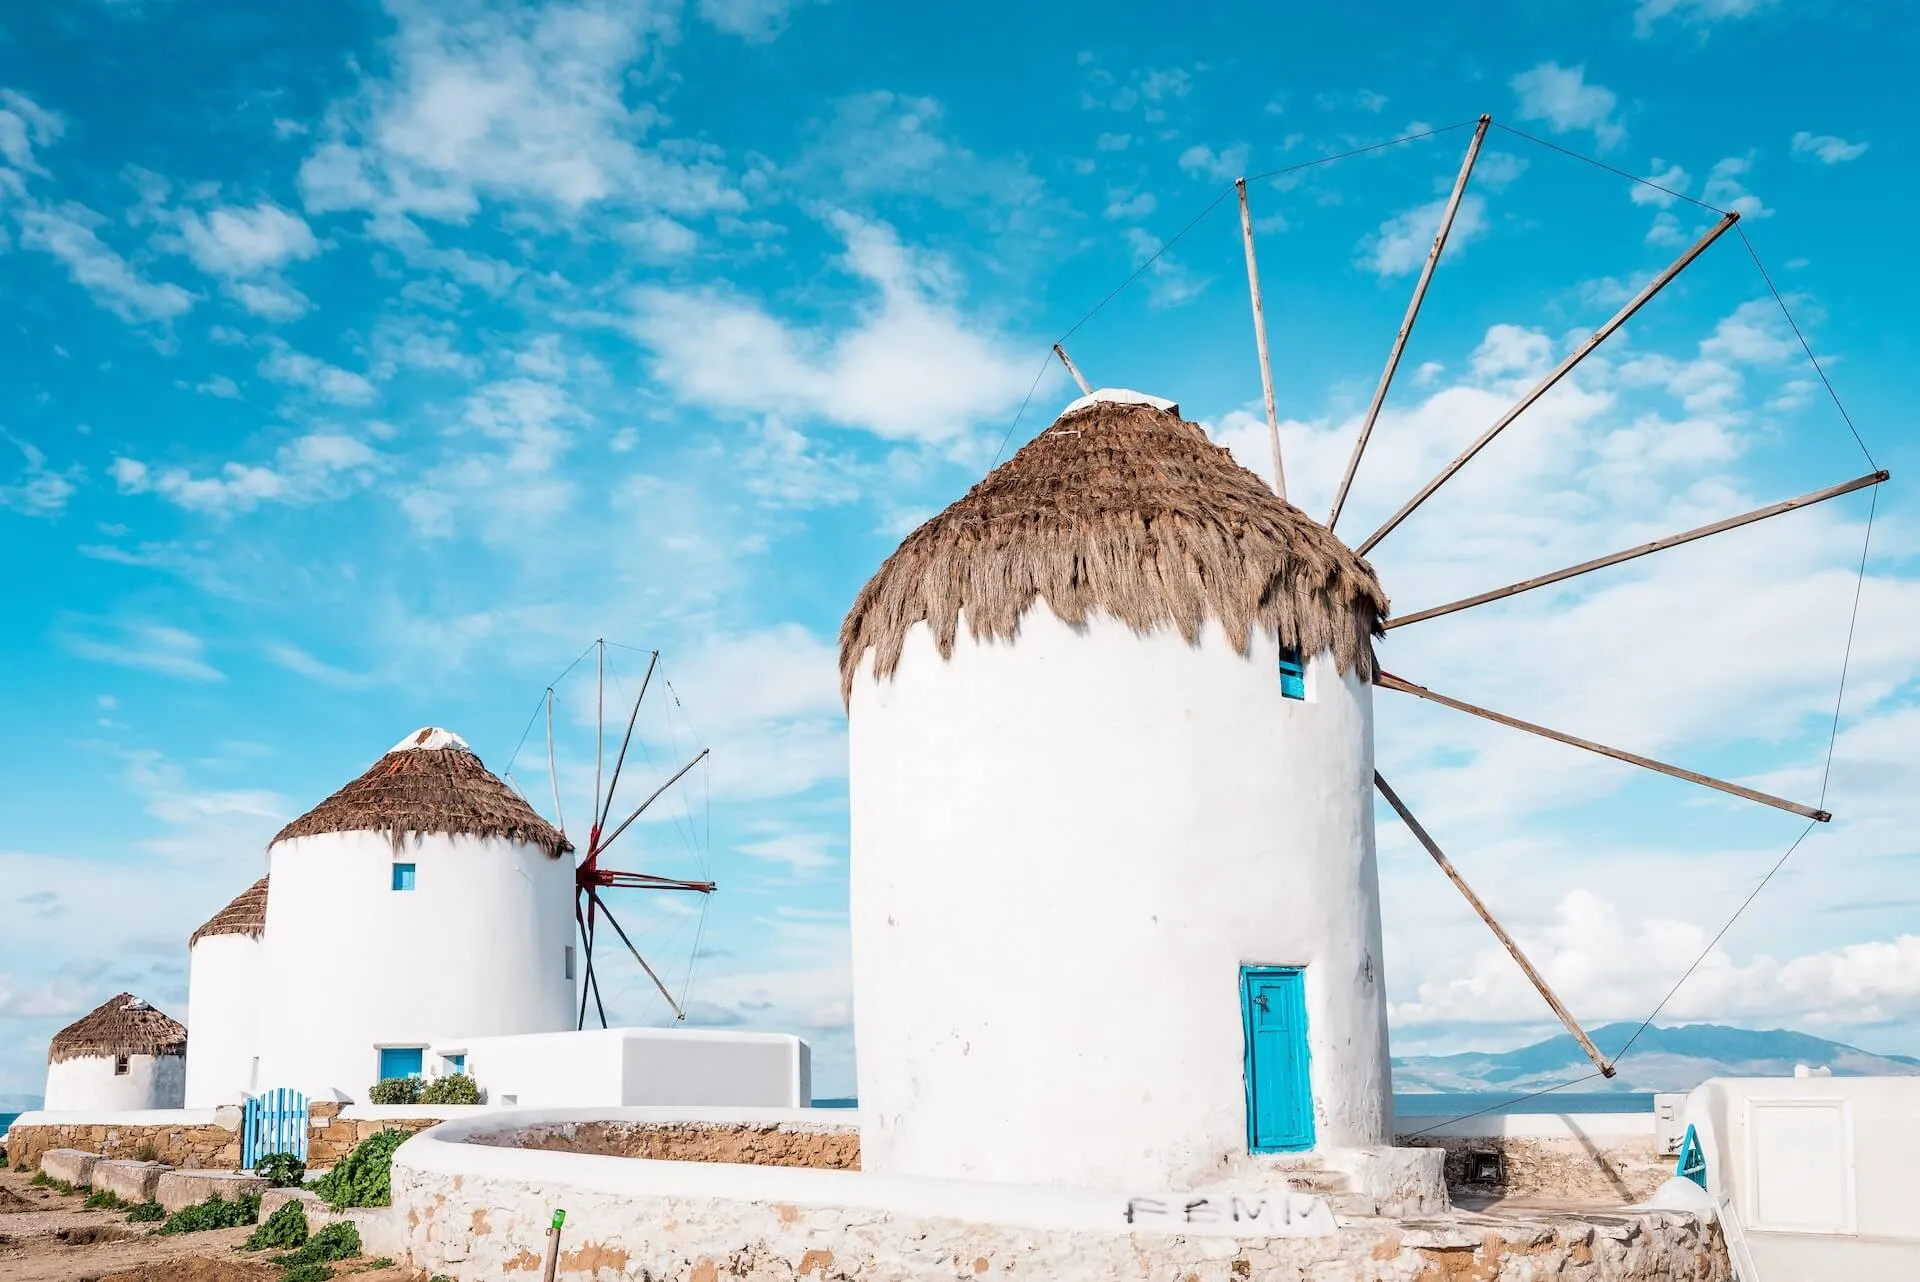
(314, 1272)
(380, 1262)
(102, 1200)
(395, 1090)
(282, 1170)
(42, 1180)
(363, 1177)
(146, 1213)
(285, 1229)
(214, 1213)
(456, 1088)
(338, 1241)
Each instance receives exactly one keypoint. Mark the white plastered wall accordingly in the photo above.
(619, 1067)
(1064, 848)
(477, 948)
(223, 1018)
(87, 1083)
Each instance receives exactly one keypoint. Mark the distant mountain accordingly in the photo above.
(19, 1103)
(1663, 1059)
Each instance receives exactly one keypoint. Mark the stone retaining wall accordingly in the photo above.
(1618, 1171)
(206, 1147)
(331, 1137)
(472, 1227)
(832, 1148)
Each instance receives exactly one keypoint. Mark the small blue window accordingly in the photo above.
(1293, 674)
(399, 1061)
(403, 876)
(454, 1063)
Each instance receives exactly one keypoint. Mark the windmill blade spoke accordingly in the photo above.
(1413, 313)
(586, 952)
(642, 809)
(600, 820)
(599, 724)
(553, 774)
(1658, 545)
(1546, 384)
(614, 922)
(1513, 949)
(1390, 682)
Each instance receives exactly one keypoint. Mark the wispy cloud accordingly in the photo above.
(1827, 148)
(305, 470)
(1404, 241)
(68, 233)
(1697, 13)
(1563, 99)
(139, 643)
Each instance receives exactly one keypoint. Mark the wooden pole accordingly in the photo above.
(653, 661)
(1260, 340)
(553, 1247)
(1387, 681)
(1546, 384)
(1413, 312)
(615, 923)
(1671, 541)
(642, 808)
(1061, 352)
(1460, 883)
(553, 773)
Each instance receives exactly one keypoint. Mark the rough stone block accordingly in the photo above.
(273, 1199)
(129, 1181)
(183, 1188)
(382, 1231)
(69, 1164)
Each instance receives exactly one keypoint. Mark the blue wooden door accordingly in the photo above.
(1273, 1008)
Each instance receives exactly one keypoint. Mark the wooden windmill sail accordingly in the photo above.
(592, 877)
(1386, 680)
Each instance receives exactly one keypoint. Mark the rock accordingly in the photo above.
(273, 1199)
(128, 1181)
(183, 1188)
(69, 1164)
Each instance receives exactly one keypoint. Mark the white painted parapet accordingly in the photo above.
(622, 1067)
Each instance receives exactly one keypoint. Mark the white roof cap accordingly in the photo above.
(429, 738)
(1121, 396)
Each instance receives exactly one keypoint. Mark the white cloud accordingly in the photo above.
(526, 105)
(67, 232)
(1726, 188)
(1562, 98)
(1169, 282)
(140, 643)
(756, 21)
(1130, 205)
(1403, 241)
(1672, 177)
(1826, 148)
(269, 300)
(1228, 162)
(235, 240)
(909, 367)
(39, 490)
(1692, 12)
(305, 470)
(24, 125)
(294, 659)
(283, 364)
(221, 386)
(1112, 142)
(660, 237)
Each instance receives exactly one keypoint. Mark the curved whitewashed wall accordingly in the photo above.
(1063, 851)
(224, 980)
(477, 948)
(88, 1082)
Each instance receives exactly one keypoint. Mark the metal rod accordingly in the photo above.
(1460, 883)
(1413, 312)
(615, 923)
(1546, 384)
(621, 760)
(553, 774)
(655, 797)
(1085, 388)
(1388, 681)
(1260, 338)
(599, 726)
(1658, 545)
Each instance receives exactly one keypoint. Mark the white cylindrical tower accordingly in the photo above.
(225, 965)
(1115, 910)
(123, 1055)
(423, 902)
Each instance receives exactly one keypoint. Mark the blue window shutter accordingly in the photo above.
(403, 876)
(400, 1061)
(1293, 674)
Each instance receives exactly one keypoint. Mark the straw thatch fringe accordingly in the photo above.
(415, 791)
(246, 915)
(1129, 511)
(123, 1025)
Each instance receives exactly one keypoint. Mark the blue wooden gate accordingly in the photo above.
(276, 1122)
(1279, 1092)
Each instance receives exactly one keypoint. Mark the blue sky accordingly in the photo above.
(362, 364)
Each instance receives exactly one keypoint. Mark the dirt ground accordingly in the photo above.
(47, 1237)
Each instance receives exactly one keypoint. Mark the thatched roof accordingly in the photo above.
(124, 1025)
(246, 915)
(429, 782)
(1123, 508)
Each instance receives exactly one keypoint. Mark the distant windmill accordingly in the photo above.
(591, 879)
